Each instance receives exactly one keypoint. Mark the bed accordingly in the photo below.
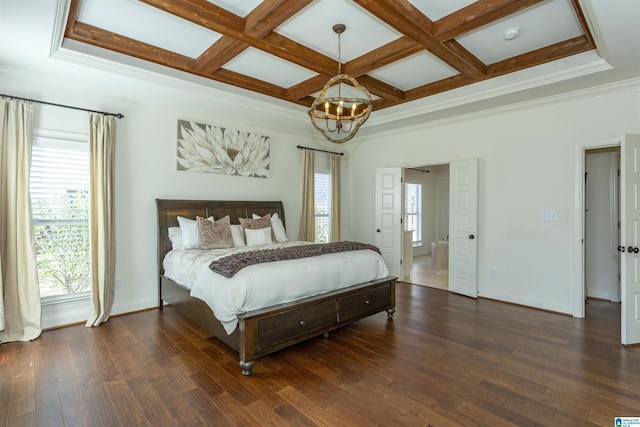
(264, 330)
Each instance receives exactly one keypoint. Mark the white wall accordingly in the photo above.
(146, 169)
(527, 164)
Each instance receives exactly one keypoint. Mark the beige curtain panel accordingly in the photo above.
(20, 310)
(308, 219)
(334, 171)
(102, 135)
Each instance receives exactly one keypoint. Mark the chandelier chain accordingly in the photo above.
(339, 53)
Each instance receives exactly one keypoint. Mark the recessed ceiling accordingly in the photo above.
(400, 50)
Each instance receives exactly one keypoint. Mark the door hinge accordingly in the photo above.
(400, 261)
(618, 277)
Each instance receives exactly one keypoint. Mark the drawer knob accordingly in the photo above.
(367, 302)
(302, 323)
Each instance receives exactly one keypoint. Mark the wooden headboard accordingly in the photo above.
(169, 210)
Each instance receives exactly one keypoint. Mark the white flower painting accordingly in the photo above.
(206, 148)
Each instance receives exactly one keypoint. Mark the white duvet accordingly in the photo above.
(267, 284)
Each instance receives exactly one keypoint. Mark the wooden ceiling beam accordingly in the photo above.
(203, 13)
(381, 89)
(384, 55)
(269, 14)
(222, 51)
(125, 45)
(476, 15)
(405, 23)
(303, 89)
(268, 41)
(249, 83)
(540, 56)
(296, 53)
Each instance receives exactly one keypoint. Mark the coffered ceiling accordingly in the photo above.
(401, 50)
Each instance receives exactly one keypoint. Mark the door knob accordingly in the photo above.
(636, 250)
(620, 249)
(630, 249)
(378, 230)
(471, 236)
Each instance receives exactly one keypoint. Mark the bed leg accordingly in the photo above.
(247, 367)
(390, 313)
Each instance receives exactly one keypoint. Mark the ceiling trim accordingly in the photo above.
(604, 89)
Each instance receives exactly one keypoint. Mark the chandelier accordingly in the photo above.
(338, 118)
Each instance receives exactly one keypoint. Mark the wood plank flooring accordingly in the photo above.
(445, 360)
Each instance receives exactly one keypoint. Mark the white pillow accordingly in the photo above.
(258, 236)
(278, 227)
(189, 230)
(175, 235)
(236, 233)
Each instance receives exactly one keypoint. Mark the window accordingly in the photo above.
(322, 196)
(59, 186)
(413, 211)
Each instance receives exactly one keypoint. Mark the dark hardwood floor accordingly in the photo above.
(445, 360)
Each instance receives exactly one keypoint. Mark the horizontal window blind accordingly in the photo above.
(322, 206)
(413, 211)
(59, 186)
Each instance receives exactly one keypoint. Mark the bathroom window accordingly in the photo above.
(413, 211)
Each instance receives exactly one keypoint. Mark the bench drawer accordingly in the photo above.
(290, 325)
(364, 303)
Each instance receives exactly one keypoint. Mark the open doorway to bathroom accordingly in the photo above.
(426, 224)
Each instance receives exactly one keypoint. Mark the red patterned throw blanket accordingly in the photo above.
(230, 265)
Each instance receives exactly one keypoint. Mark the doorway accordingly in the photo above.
(602, 224)
(429, 263)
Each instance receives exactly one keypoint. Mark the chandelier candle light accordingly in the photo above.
(338, 118)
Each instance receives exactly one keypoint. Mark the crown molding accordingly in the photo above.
(604, 89)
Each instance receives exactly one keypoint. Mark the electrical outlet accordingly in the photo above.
(493, 272)
(549, 216)
(117, 283)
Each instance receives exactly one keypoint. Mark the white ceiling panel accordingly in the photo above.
(414, 71)
(266, 67)
(313, 27)
(541, 25)
(141, 22)
(436, 9)
(239, 7)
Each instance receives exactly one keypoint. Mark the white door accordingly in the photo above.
(388, 217)
(463, 227)
(630, 239)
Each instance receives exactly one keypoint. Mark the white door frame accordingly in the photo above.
(578, 247)
(434, 161)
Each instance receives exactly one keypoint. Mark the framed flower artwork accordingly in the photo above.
(213, 149)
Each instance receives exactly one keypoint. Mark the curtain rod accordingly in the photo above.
(118, 115)
(323, 151)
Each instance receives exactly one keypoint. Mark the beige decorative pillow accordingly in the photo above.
(260, 236)
(257, 224)
(215, 235)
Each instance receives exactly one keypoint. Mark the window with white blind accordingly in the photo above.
(413, 211)
(322, 182)
(59, 186)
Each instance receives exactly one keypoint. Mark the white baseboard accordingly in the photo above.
(77, 311)
(543, 305)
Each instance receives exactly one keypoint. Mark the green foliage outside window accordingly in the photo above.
(61, 227)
